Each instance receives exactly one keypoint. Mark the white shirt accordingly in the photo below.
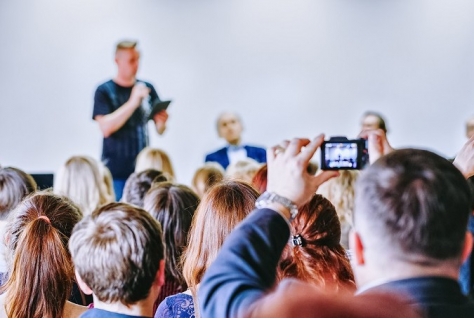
(236, 153)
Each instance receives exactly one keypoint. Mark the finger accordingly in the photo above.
(272, 152)
(284, 144)
(311, 148)
(364, 134)
(294, 148)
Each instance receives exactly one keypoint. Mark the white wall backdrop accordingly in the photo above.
(290, 68)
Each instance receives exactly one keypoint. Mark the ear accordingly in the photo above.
(160, 274)
(82, 285)
(357, 248)
(466, 251)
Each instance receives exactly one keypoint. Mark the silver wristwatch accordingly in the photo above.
(269, 197)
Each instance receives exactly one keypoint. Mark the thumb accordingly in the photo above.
(323, 177)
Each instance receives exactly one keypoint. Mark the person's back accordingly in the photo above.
(14, 186)
(410, 237)
(41, 270)
(118, 257)
(221, 209)
(173, 206)
(314, 253)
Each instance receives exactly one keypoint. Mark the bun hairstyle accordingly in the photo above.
(40, 266)
(315, 253)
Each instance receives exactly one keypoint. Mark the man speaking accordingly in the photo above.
(121, 107)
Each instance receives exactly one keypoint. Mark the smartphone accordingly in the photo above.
(340, 153)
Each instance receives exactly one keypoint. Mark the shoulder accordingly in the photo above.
(255, 148)
(176, 306)
(147, 84)
(104, 86)
(218, 152)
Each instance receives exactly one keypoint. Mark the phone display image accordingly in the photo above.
(341, 155)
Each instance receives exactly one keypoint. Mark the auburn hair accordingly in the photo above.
(317, 255)
(41, 271)
(259, 180)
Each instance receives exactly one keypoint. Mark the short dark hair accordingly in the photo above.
(117, 252)
(139, 183)
(173, 206)
(382, 123)
(415, 201)
(15, 184)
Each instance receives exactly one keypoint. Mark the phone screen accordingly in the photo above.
(340, 155)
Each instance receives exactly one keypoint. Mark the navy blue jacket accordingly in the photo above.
(245, 271)
(257, 153)
(436, 296)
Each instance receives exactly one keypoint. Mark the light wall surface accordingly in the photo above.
(290, 68)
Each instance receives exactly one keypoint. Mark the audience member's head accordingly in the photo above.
(259, 180)
(41, 271)
(243, 170)
(154, 158)
(340, 192)
(108, 180)
(229, 127)
(206, 176)
(138, 184)
(173, 206)
(80, 180)
(372, 120)
(314, 253)
(118, 257)
(221, 209)
(411, 213)
(470, 127)
(14, 186)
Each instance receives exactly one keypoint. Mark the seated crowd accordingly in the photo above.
(386, 241)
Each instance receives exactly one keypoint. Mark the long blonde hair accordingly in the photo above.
(80, 180)
(340, 192)
(155, 158)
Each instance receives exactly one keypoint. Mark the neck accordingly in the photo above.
(142, 308)
(124, 81)
(399, 271)
(234, 143)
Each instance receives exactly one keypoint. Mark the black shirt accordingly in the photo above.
(120, 149)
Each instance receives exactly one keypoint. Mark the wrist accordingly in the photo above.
(279, 208)
(280, 204)
(462, 169)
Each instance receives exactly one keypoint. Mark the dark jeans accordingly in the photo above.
(118, 188)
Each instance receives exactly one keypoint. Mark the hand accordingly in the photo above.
(139, 92)
(287, 175)
(378, 144)
(464, 161)
(160, 119)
